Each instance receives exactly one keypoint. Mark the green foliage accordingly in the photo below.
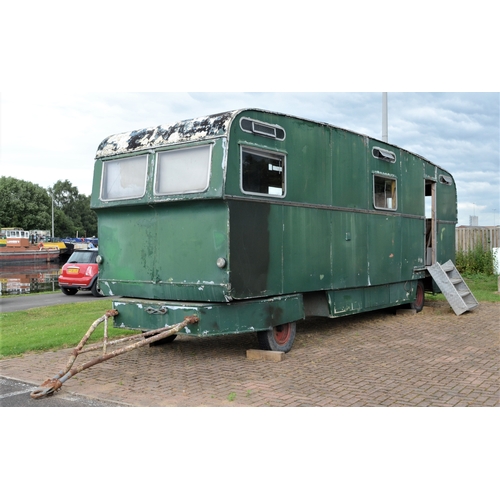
(27, 205)
(24, 204)
(477, 261)
(78, 217)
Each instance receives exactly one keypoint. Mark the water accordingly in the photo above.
(16, 279)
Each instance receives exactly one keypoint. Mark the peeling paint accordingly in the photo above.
(185, 131)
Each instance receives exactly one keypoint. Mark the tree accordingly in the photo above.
(24, 204)
(79, 218)
(27, 205)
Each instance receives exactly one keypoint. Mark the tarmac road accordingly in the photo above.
(29, 301)
(14, 393)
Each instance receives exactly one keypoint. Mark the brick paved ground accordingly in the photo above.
(433, 358)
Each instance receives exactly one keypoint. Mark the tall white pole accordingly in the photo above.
(385, 133)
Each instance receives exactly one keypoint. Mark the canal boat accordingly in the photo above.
(18, 248)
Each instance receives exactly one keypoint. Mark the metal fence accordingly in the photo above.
(469, 237)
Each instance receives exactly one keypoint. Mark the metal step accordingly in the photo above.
(453, 287)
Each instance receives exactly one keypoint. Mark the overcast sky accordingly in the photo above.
(49, 137)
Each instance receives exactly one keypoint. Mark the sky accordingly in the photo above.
(47, 136)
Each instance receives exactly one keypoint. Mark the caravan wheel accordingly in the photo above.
(418, 303)
(280, 338)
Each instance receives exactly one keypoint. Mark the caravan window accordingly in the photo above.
(184, 170)
(262, 172)
(384, 192)
(124, 178)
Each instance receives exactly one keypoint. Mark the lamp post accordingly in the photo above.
(52, 196)
(385, 133)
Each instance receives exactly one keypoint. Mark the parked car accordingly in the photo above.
(80, 273)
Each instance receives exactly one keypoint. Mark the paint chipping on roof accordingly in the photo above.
(184, 131)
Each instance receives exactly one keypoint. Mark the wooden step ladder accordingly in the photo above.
(453, 287)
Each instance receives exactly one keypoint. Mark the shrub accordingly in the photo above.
(477, 261)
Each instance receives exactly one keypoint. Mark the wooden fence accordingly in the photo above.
(469, 237)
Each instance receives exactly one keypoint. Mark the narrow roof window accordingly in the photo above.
(261, 128)
(383, 154)
(445, 179)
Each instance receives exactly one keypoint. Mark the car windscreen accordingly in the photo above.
(83, 257)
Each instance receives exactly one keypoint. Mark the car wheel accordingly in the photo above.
(69, 291)
(96, 291)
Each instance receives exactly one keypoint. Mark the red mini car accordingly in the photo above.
(80, 273)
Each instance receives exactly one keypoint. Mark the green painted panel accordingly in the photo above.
(350, 179)
(349, 250)
(168, 250)
(446, 197)
(214, 319)
(411, 185)
(356, 300)
(446, 242)
(306, 249)
(384, 249)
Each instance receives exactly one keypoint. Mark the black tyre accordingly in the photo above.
(96, 291)
(280, 338)
(166, 340)
(69, 291)
(418, 303)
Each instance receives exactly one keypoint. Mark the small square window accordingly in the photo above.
(384, 192)
(262, 172)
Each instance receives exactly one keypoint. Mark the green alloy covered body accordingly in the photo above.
(252, 220)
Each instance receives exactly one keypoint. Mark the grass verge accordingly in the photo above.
(55, 327)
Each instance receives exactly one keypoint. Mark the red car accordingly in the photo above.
(80, 273)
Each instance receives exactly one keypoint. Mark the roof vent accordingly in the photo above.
(261, 128)
(383, 154)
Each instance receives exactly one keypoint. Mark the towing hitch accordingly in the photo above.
(50, 386)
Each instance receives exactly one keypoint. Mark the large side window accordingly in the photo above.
(262, 172)
(384, 192)
(184, 170)
(124, 178)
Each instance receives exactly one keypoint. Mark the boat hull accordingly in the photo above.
(14, 256)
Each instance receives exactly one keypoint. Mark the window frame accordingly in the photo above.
(266, 153)
(385, 177)
(118, 159)
(208, 145)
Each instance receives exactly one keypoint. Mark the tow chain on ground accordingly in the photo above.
(52, 385)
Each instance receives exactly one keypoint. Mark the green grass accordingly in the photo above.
(55, 327)
(483, 286)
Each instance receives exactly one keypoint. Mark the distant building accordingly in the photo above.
(473, 220)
